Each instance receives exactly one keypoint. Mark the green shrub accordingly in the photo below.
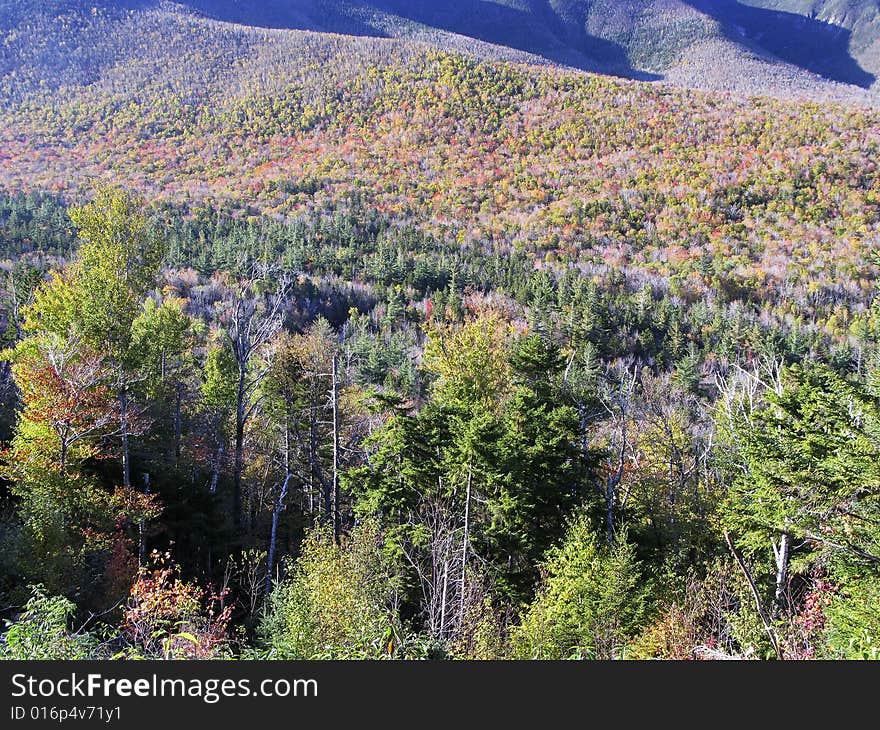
(593, 602)
(43, 632)
(853, 627)
(337, 602)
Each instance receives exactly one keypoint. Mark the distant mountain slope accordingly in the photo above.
(698, 192)
(782, 47)
(838, 40)
(861, 18)
(832, 38)
(187, 108)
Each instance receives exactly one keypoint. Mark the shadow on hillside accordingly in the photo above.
(478, 19)
(318, 15)
(518, 29)
(808, 43)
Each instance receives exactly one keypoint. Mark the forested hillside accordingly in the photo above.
(790, 48)
(834, 40)
(781, 40)
(316, 346)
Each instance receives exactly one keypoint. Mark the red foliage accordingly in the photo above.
(170, 618)
(809, 623)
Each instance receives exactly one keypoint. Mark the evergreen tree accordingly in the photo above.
(592, 603)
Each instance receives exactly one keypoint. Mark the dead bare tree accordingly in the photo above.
(319, 419)
(252, 322)
(617, 402)
(453, 590)
(276, 512)
(437, 568)
(759, 605)
(333, 510)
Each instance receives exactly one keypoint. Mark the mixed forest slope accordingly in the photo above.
(576, 170)
(835, 41)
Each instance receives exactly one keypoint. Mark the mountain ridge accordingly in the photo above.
(835, 40)
(790, 48)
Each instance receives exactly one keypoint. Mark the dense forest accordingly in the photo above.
(340, 437)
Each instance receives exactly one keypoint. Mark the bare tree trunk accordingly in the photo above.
(123, 415)
(287, 444)
(215, 475)
(442, 633)
(618, 409)
(609, 514)
(178, 424)
(585, 431)
(250, 329)
(765, 619)
(270, 560)
(465, 544)
(335, 491)
(783, 556)
(315, 470)
(141, 542)
(238, 464)
(310, 497)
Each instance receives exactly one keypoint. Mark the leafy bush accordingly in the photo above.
(43, 631)
(337, 602)
(593, 602)
(853, 621)
(168, 618)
